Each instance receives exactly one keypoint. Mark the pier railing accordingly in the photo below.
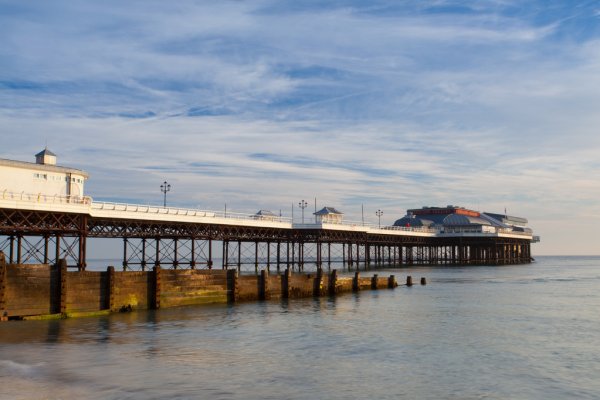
(188, 212)
(45, 198)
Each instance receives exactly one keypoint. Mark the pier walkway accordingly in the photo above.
(44, 229)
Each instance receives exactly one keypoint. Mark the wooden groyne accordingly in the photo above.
(46, 291)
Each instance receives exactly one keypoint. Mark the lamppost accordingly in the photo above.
(379, 213)
(303, 204)
(165, 187)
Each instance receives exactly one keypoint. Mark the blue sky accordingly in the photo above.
(259, 104)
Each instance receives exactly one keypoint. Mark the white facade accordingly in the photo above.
(43, 177)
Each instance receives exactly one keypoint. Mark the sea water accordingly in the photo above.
(477, 332)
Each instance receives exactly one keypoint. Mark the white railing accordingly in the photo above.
(410, 229)
(45, 198)
(147, 209)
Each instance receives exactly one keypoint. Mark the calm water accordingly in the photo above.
(518, 332)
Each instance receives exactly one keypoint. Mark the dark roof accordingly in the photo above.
(508, 218)
(464, 220)
(45, 152)
(328, 210)
(265, 213)
(414, 221)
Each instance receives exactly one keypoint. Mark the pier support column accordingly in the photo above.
(19, 248)
(46, 249)
(225, 254)
(175, 255)
(192, 253)
(143, 262)
(256, 257)
(209, 263)
(239, 258)
(124, 263)
(157, 259)
(278, 255)
(11, 250)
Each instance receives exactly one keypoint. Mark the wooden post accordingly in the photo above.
(285, 284)
(374, 282)
(318, 283)
(62, 271)
(157, 286)
(392, 282)
(409, 281)
(423, 281)
(264, 292)
(232, 286)
(110, 271)
(355, 282)
(3, 312)
(333, 283)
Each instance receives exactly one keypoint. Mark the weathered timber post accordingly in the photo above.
(392, 282)
(333, 277)
(3, 312)
(318, 283)
(62, 273)
(423, 281)
(355, 282)
(110, 297)
(157, 286)
(232, 286)
(374, 282)
(409, 281)
(264, 293)
(285, 284)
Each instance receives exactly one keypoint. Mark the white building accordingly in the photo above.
(43, 177)
(329, 215)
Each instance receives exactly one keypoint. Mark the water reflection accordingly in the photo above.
(522, 330)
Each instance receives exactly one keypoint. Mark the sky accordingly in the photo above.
(379, 104)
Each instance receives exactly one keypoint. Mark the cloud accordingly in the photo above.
(259, 104)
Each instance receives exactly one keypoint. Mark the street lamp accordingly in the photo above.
(165, 187)
(379, 213)
(303, 204)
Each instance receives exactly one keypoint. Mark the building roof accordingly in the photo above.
(42, 167)
(45, 152)
(327, 211)
(265, 213)
(464, 220)
(509, 219)
(414, 221)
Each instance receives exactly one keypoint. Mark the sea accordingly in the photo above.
(473, 332)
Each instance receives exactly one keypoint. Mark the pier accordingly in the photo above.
(44, 229)
(176, 256)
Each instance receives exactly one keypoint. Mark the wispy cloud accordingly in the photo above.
(260, 103)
